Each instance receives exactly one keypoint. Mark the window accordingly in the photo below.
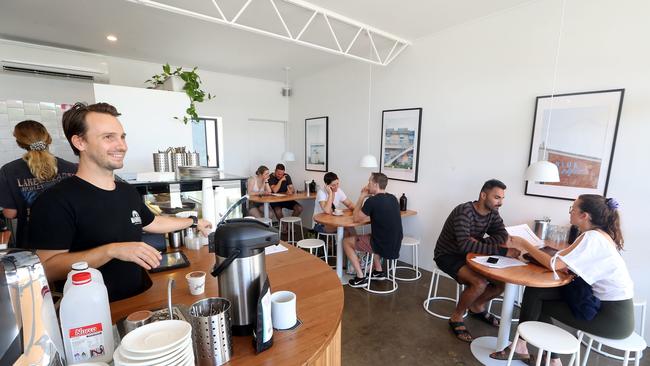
(207, 141)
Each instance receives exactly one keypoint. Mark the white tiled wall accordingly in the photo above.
(49, 114)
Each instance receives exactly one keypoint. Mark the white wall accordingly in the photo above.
(147, 117)
(477, 84)
(237, 99)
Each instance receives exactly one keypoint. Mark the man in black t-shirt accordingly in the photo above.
(386, 234)
(280, 182)
(91, 217)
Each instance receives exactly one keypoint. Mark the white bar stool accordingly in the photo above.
(413, 243)
(291, 233)
(621, 344)
(634, 343)
(313, 245)
(330, 239)
(390, 266)
(435, 278)
(549, 338)
(518, 302)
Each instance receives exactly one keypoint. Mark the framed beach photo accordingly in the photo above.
(400, 143)
(316, 144)
(576, 132)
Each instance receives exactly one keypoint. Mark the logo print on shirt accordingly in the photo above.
(135, 218)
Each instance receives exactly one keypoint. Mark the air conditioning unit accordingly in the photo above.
(64, 71)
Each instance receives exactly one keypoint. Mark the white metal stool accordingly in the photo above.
(414, 244)
(329, 238)
(435, 278)
(291, 233)
(518, 302)
(549, 338)
(390, 266)
(313, 245)
(634, 343)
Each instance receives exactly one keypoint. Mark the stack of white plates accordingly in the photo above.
(163, 343)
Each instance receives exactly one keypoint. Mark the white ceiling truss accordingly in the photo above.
(301, 23)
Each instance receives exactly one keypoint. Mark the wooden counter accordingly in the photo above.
(319, 306)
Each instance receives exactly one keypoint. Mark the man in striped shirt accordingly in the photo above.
(474, 227)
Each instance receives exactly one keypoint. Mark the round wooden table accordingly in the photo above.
(319, 306)
(341, 222)
(531, 275)
(279, 197)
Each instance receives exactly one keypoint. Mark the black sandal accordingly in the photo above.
(462, 334)
(503, 355)
(486, 317)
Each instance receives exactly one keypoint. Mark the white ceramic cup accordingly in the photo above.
(338, 212)
(196, 282)
(283, 309)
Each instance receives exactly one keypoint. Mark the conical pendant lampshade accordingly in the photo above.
(543, 171)
(368, 161)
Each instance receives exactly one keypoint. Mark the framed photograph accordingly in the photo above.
(576, 132)
(400, 143)
(316, 144)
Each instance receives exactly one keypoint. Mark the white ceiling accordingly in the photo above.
(153, 35)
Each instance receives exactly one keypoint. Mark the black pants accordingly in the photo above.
(614, 320)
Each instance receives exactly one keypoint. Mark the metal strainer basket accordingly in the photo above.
(211, 333)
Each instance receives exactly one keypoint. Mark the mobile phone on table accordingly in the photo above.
(492, 260)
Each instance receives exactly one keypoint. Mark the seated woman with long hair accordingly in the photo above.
(258, 185)
(22, 180)
(595, 258)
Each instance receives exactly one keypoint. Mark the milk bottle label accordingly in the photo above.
(87, 342)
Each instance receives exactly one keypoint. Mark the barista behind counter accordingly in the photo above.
(91, 217)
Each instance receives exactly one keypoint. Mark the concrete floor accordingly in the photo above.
(394, 329)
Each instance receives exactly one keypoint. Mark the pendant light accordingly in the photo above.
(543, 170)
(286, 92)
(369, 160)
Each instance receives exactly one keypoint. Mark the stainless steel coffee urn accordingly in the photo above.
(241, 268)
(29, 330)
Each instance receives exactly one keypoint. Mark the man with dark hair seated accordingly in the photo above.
(386, 234)
(280, 182)
(474, 227)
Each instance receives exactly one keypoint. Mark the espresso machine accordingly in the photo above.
(29, 330)
(240, 267)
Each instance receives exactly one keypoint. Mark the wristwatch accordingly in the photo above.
(195, 221)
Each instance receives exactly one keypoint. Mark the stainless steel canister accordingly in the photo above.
(192, 159)
(541, 227)
(211, 333)
(179, 159)
(175, 238)
(160, 162)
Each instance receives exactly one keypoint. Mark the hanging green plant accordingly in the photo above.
(192, 88)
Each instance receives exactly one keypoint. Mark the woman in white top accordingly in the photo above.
(595, 258)
(258, 185)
